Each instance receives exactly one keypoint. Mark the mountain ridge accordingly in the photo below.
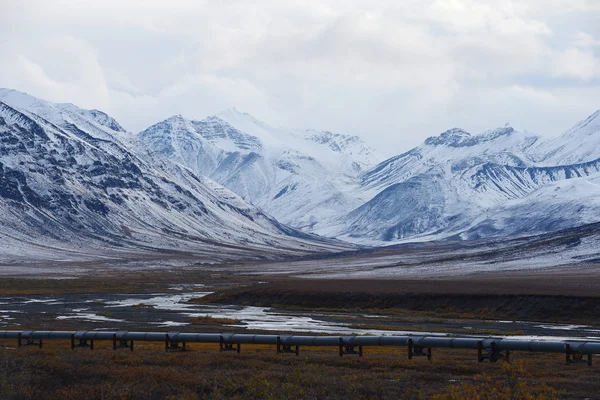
(286, 173)
(476, 174)
(69, 185)
(455, 184)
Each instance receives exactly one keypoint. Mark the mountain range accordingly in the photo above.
(75, 176)
(73, 186)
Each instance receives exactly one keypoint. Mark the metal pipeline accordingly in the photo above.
(495, 344)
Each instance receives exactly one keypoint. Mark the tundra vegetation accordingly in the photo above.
(57, 372)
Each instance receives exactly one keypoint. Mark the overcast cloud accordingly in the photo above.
(393, 72)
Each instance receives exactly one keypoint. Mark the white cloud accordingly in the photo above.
(576, 63)
(585, 40)
(471, 16)
(60, 69)
(393, 71)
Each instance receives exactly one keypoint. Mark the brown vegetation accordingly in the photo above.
(208, 320)
(450, 299)
(56, 372)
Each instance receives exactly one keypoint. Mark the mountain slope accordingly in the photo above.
(555, 206)
(77, 174)
(91, 122)
(579, 144)
(454, 185)
(461, 186)
(570, 251)
(300, 178)
(67, 186)
(454, 150)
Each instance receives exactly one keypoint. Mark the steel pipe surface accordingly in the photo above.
(454, 342)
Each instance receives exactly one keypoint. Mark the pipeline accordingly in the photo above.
(490, 348)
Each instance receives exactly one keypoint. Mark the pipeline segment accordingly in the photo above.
(492, 348)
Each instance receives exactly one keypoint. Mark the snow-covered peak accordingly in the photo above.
(579, 144)
(225, 137)
(233, 114)
(175, 118)
(101, 118)
(93, 122)
(454, 137)
(23, 101)
(457, 137)
(173, 124)
(588, 127)
(342, 153)
(494, 134)
(335, 141)
(298, 176)
(211, 131)
(454, 151)
(361, 155)
(270, 137)
(168, 135)
(166, 126)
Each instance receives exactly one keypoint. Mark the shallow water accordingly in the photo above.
(170, 310)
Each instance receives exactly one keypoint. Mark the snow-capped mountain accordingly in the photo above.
(299, 177)
(454, 150)
(68, 183)
(92, 122)
(344, 154)
(454, 185)
(579, 144)
(499, 183)
(558, 205)
(75, 176)
(430, 188)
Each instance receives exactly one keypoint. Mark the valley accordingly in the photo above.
(195, 300)
(300, 200)
(228, 224)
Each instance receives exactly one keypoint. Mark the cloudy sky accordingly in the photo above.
(393, 72)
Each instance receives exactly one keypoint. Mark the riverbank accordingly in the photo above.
(527, 297)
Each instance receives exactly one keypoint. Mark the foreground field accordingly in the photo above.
(57, 372)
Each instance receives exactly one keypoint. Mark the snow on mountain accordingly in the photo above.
(558, 205)
(465, 186)
(453, 151)
(225, 137)
(269, 136)
(67, 186)
(66, 115)
(319, 181)
(178, 139)
(354, 155)
(404, 209)
(300, 179)
(75, 171)
(425, 190)
(579, 144)
(340, 153)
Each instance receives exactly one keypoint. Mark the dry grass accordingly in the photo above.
(413, 328)
(16, 287)
(56, 372)
(448, 299)
(208, 320)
